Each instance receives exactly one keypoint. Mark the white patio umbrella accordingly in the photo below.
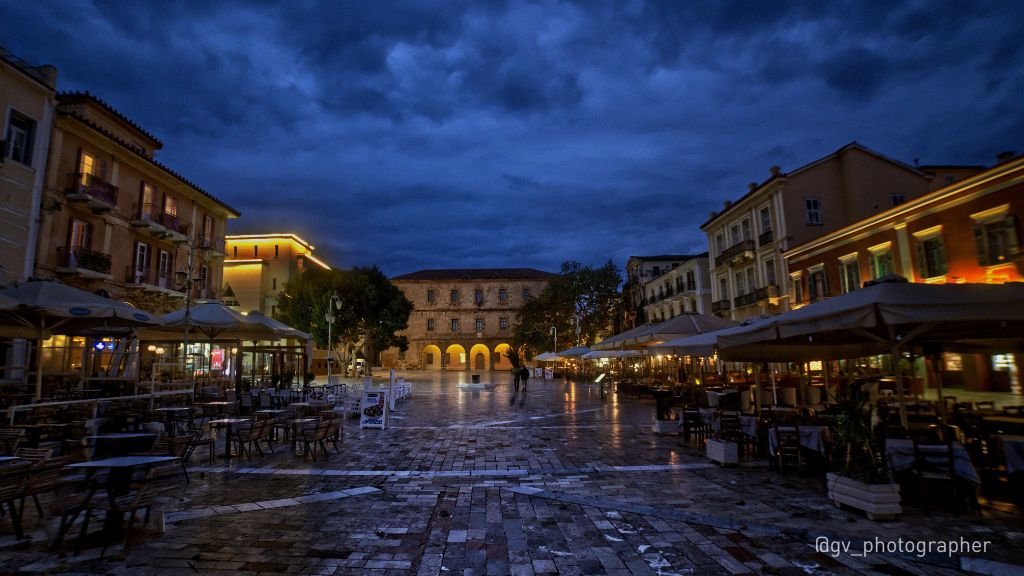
(677, 327)
(598, 354)
(45, 307)
(546, 357)
(618, 341)
(283, 330)
(574, 352)
(890, 315)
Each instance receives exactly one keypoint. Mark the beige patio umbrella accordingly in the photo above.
(47, 307)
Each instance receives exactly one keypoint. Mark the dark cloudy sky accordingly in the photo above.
(481, 134)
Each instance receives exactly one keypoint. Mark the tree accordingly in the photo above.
(372, 310)
(581, 301)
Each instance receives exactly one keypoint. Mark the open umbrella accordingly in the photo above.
(677, 327)
(283, 330)
(889, 315)
(45, 307)
(546, 356)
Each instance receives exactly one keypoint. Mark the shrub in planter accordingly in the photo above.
(860, 476)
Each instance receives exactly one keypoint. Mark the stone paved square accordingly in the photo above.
(553, 481)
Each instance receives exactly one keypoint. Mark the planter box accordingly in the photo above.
(879, 501)
(725, 453)
(665, 427)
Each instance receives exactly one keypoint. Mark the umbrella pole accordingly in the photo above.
(895, 351)
(39, 360)
(757, 390)
(937, 362)
(775, 393)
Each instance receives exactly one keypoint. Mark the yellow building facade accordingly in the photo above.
(463, 319)
(27, 101)
(116, 221)
(258, 266)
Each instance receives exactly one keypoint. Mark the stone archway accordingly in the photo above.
(501, 361)
(480, 357)
(455, 357)
(430, 357)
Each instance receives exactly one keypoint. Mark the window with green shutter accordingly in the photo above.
(931, 257)
(996, 242)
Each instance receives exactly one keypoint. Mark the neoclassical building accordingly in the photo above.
(463, 319)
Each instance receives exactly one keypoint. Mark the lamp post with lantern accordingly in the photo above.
(334, 303)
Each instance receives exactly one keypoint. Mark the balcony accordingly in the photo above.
(769, 293)
(150, 281)
(766, 237)
(746, 299)
(214, 244)
(83, 262)
(721, 306)
(737, 252)
(92, 191)
(161, 225)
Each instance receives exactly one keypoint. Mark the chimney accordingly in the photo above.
(712, 215)
(752, 186)
(775, 170)
(1004, 156)
(726, 204)
(49, 74)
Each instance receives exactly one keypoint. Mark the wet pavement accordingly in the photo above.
(555, 480)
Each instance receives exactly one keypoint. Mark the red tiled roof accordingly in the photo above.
(125, 145)
(477, 274)
(70, 97)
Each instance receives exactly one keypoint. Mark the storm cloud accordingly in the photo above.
(454, 134)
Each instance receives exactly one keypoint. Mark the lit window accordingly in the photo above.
(813, 206)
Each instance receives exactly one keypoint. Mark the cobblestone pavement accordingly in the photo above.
(553, 481)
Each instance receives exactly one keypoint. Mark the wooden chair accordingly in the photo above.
(933, 466)
(788, 451)
(694, 425)
(313, 437)
(196, 437)
(729, 430)
(12, 486)
(44, 477)
(33, 454)
(246, 404)
(266, 402)
(144, 496)
(10, 438)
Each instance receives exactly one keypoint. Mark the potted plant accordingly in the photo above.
(860, 476)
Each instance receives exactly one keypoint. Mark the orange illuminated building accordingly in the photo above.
(258, 266)
(967, 232)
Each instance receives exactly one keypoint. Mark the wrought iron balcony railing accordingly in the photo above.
(93, 186)
(80, 258)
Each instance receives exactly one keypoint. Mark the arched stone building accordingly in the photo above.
(462, 319)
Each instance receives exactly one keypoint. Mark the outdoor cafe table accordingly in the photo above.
(34, 432)
(297, 426)
(813, 438)
(273, 413)
(219, 405)
(1005, 424)
(120, 443)
(228, 423)
(119, 480)
(901, 457)
(171, 417)
(1013, 452)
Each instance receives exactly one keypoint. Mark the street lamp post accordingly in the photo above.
(554, 330)
(187, 282)
(333, 303)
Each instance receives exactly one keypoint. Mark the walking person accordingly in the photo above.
(524, 376)
(515, 378)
